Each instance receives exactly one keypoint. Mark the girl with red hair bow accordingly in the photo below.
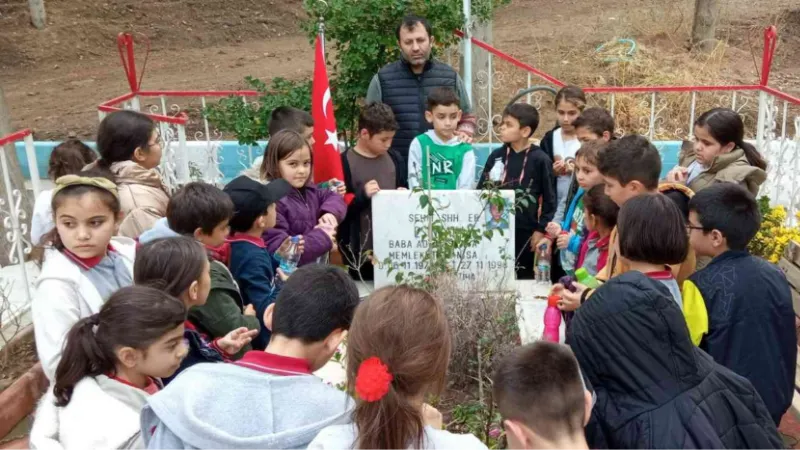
(398, 350)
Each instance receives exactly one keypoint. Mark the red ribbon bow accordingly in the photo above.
(373, 380)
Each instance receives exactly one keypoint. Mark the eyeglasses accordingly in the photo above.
(692, 227)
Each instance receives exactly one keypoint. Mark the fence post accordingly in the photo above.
(33, 167)
(182, 161)
(763, 105)
(12, 221)
(14, 170)
(467, 54)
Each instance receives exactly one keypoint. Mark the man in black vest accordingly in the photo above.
(404, 86)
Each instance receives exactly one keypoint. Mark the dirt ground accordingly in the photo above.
(54, 79)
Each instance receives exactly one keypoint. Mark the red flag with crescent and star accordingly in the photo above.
(327, 159)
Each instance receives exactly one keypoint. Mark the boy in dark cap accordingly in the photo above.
(253, 267)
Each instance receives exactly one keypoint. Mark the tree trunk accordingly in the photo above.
(706, 16)
(38, 16)
(17, 180)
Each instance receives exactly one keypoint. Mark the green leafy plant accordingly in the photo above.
(480, 420)
(249, 120)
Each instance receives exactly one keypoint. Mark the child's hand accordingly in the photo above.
(329, 230)
(341, 189)
(570, 301)
(564, 304)
(329, 219)
(232, 342)
(553, 229)
(371, 188)
(431, 416)
(678, 175)
(569, 165)
(250, 310)
(544, 242)
(537, 236)
(559, 166)
(281, 276)
(563, 240)
(464, 137)
(283, 250)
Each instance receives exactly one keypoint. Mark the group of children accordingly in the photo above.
(139, 286)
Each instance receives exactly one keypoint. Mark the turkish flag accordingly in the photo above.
(327, 159)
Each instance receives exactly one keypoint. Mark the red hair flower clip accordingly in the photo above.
(373, 380)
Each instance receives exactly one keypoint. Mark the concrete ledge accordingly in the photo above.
(19, 400)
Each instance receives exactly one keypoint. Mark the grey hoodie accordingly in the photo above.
(230, 406)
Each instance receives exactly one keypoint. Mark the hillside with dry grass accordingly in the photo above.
(55, 78)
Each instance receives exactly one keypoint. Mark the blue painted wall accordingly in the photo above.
(231, 166)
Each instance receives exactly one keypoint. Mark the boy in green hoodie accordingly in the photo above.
(438, 159)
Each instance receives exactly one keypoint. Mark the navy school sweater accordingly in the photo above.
(253, 268)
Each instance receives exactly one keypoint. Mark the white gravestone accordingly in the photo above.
(396, 216)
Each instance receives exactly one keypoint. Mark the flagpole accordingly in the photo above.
(321, 29)
(467, 41)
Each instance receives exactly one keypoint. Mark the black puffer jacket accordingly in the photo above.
(654, 388)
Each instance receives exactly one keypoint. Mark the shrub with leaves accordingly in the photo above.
(249, 120)
(484, 328)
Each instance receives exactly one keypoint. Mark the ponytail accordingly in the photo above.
(753, 155)
(726, 126)
(120, 134)
(83, 356)
(134, 316)
(390, 363)
(389, 423)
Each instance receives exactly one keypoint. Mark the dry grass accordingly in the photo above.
(673, 111)
(662, 59)
(483, 325)
(649, 66)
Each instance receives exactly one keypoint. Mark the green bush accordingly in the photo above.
(249, 120)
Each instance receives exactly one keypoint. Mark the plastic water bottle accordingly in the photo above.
(585, 279)
(289, 262)
(552, 319)
(542, 264)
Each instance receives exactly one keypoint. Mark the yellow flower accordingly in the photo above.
(773, 237)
